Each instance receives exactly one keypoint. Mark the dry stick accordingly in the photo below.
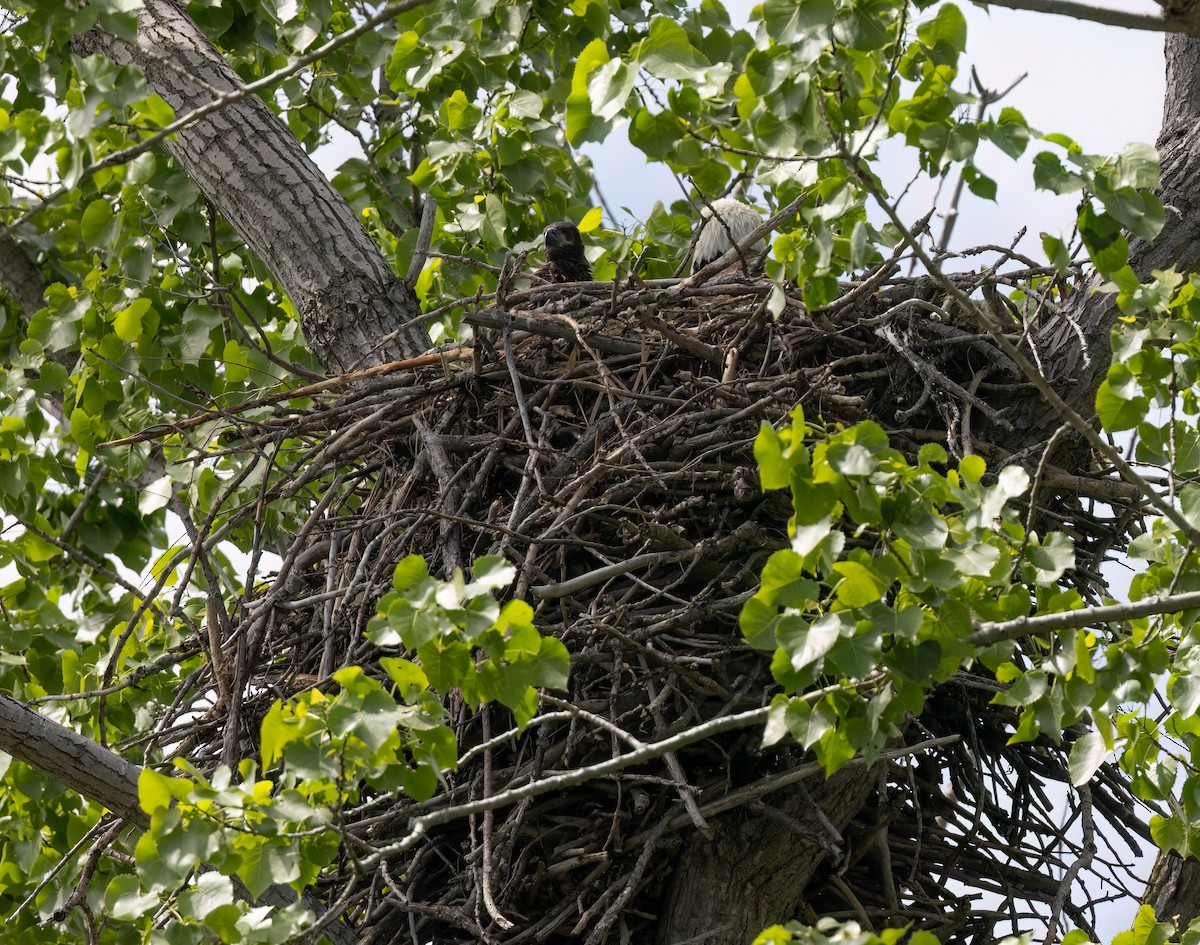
(258, 627)
(600, 575)
(342, 380)
(1082, 862)
(572, 710)
(420, 826)
(930, 373)
(632, 884)
(222, 101)
(78, 896)
(424, 237)
(177, 654)
(330, 596)
(489, 902)
(683, 787)
(100, 827)
(216, 616)
(1064, 410)
(774, 782)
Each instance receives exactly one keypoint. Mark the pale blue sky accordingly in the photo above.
(1101, 85)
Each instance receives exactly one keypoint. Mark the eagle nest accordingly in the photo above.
(600, 438)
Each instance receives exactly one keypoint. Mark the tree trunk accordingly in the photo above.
(753, 872)
(1174, 889)
(1174, 885)
(355, 311)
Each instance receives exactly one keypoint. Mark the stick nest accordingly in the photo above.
(600, 438)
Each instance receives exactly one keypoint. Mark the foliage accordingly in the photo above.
(162, 312)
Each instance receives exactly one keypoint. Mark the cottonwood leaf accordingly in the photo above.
(1087, 754)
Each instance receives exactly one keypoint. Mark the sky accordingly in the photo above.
(1101, 85)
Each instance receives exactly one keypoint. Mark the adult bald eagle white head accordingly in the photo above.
(724, 224)
(565, 261)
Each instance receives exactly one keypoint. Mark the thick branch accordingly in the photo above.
(989, 633)
(77, 762)
(1186, 22)
(356, 312)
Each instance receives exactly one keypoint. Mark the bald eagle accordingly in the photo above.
(564, 255)
(733, 219)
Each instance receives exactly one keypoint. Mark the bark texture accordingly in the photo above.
(1174, 889)
(77, 762)
(1174, 885)
(355, 311)
(21, 279)
(754, 871)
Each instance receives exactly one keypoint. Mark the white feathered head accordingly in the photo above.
(727, 217)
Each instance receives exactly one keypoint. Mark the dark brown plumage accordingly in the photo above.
(564, 255)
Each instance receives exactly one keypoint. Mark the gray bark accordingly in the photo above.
(1174, 889)
(79, 763)
(754, 871)
(355, 311)
(21, 279)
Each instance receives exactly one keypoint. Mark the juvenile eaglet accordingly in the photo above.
(721, 220)
(564, 255)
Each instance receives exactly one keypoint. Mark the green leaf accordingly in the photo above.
(945, 34)
(788, 20)
(1119, 401)
(125, 900)
(1087, 754)
(373, 719)
(860, 585)
(972, 468)
(212, 890)
(1010, 132)
(95, 220)
(127, 323)
(552, 666)
(409, 572)
(581, 121)
(237, 368)
(1183, 690)
(667, 53)
(807, 643)
(1051, 557)
(154, 790)
(655, 133)
(264, 862)
(1049, 174)
(409, 678)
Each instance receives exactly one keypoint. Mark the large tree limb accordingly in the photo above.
(81, 764)
(1184, 20)
(355, 311)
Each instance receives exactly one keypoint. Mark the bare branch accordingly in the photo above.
(993, 632)
(1168, 23)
